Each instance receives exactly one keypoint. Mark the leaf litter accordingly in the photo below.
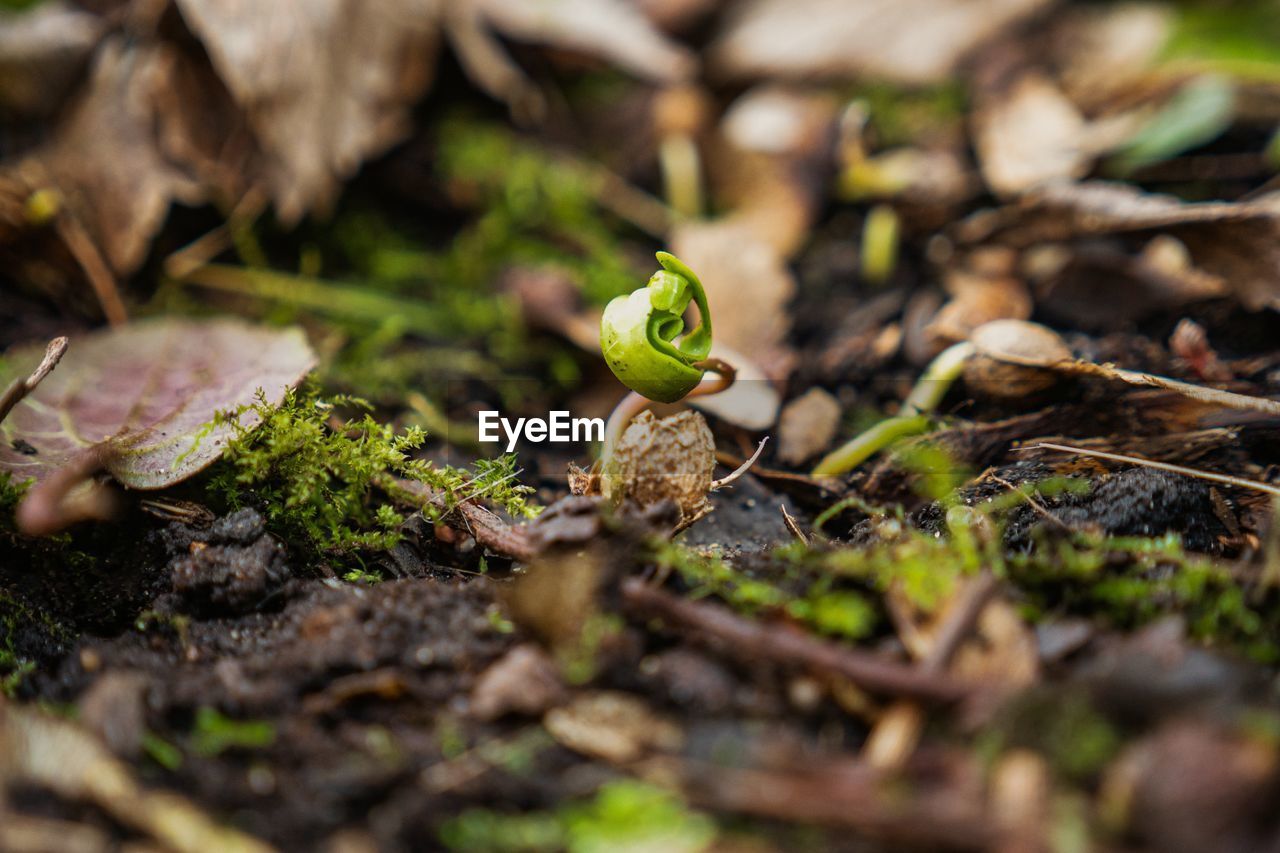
(141, 403)
(1029, 602)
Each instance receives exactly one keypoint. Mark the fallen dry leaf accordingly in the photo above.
(774, 142)
(1022, 344)
(55, 754)
(324, 84)
(908, 41)
(976, 299)
(747, 282)
(523, 681)
(613, 30)
(1239, 242)
(106, 158)
(144, 397)
(1104, 50)
(42, 51)
(1098, 285)
(1027, 133)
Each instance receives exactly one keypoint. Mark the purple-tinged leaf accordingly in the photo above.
(142, 398)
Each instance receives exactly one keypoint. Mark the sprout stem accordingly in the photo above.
(634, 403)
(928, 392)
(870, 442)
(880, 235)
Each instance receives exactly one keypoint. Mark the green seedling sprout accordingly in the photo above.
(638, 334)
(880, 238)
(928, 392)
(643, 341)
(641, 336)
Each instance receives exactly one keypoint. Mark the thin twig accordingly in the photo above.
(742, 469)
(20, 388)
(1031, 501)
(1162, 466)
(95, 268)
(793, 526)
(898, 730)
(486, 528)
(1200, 393)
(754, 641)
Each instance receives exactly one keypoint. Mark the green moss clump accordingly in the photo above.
(536, 207)
(1121, 581)
(623, 815)
(780, 584)
(1128, 581)
(333, 487)
(24, 634)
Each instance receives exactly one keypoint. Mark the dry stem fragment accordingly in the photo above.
(20, 388)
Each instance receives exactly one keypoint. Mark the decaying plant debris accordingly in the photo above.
(961, 534)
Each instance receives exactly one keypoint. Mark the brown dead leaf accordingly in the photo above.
(523, 681)
(1003, 650)
(1097, 285)
(324, 84)
(55, 754)
(1238, 242)
(147, 394)
(42, 50)
(1027, 133)
(908, 41)
(107, 160)
(774, 144)
(1103, 49)
(772, 151)
(747, 282)
(1029, 345)
(771, 159)
(613, 30)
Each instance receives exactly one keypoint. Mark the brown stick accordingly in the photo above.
(756, 641)
(101, 279)
(488, 529)
(848, 794)
(20, 388)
